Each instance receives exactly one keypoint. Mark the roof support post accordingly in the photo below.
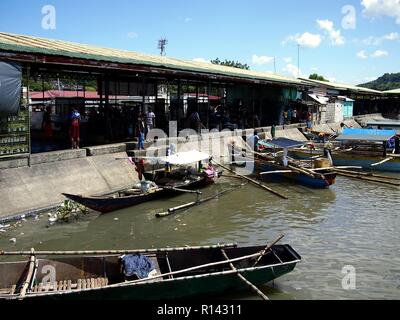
(253, 106)
(143, 95)
(28, 106)
(208, 103)
(179, 103)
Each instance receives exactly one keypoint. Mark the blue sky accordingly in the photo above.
(252, 31)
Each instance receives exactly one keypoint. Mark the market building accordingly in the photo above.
(128, 83)
(111, 87)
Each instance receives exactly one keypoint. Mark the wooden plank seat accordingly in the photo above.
(67, 285)
(5, 291)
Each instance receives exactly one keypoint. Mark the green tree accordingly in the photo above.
(231, 63)
(316, 76)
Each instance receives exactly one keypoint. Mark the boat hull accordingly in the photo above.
(187, 273)
(328, 179)
(109, 204)
(185, 288)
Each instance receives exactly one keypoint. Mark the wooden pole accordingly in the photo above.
(192, 204)
(366, 174)
(366, 178)
(382, 162)
(268, 248)
(28, 278)
(111, 252)
(254, 182)
(241, 277)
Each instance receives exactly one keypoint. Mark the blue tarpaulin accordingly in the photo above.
(136, 264)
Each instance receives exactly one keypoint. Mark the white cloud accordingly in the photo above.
(132, 35)
(292, 70)
(309, 40)
(335, 35)
(188, 19)
(379, 8)
(306, 39)
(379, 54)
(287, 60)
(376, 41)
(260, 60)
(314, 69)
(362, 55)
(201, 60)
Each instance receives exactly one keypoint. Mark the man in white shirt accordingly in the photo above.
(150, 120)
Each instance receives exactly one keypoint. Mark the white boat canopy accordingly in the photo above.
(182, 158)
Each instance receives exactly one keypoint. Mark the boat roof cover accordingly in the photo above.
(320, 99)
(282, 143)
(181, 158)
(383, 123)
(350, 134)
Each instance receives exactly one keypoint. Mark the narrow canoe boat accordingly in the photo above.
(130, 197)
(324, 179)
(175, 273)
(269, 164)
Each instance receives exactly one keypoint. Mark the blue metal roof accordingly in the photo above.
(350, 134)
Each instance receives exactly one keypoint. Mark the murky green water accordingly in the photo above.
(353, 223)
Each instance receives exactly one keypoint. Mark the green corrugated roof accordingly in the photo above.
(35, 45)
(341, 86)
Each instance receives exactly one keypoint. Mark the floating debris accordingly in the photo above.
(67, 212)
(13, 240)
(116, 219)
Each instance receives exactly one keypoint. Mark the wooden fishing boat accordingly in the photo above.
(130, 197)
(271, 165)
(363, 148)
(273, 171)
(176, 273)
(165, 184)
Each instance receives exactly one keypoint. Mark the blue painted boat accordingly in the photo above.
(325, 179)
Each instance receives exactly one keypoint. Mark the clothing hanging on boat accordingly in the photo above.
(137, 264)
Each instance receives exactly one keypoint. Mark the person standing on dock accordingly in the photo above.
(150, 118)
(140, 131)
(309, 120)
(47, 124)
(74, 131)
(273, 131)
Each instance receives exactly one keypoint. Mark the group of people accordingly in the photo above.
(74, 120)
(292, 115)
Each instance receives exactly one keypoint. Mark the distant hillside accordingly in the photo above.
(388, 81)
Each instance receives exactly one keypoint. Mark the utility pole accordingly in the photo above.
(161, 45)
(298, 60)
